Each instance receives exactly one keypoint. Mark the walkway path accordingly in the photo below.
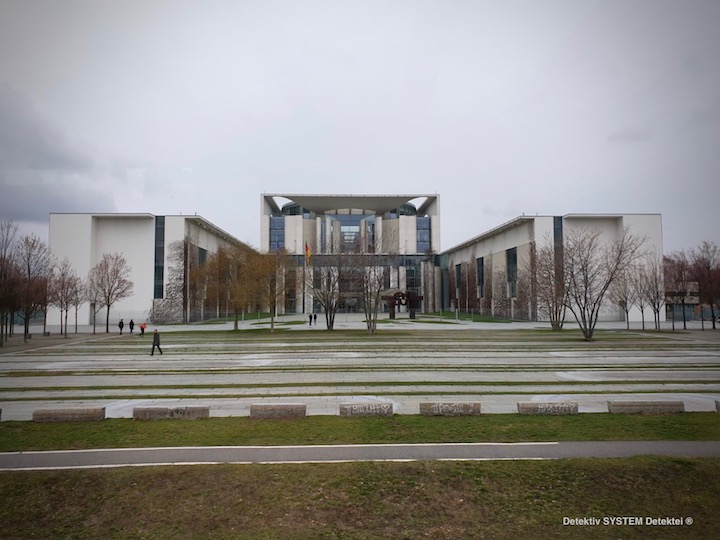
(125, 457)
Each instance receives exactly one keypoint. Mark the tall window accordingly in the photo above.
(480, 268)
(511, 261)
(458, 277)
(412, 276)
(424, 242)
(277, 233)
(159, 256)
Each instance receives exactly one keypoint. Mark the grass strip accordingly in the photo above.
(332, 393)
(309, 368)
(241, 431)
(440, 500)
(353, 384)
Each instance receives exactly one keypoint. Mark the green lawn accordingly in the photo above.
(241, 431)
(438, 500)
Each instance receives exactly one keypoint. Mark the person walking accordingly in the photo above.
(315, 319)
(156, 343)
(309, 319)
(131, 324)
(143, 326)
(121, 324)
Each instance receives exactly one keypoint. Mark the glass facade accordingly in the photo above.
(480, 270)
(357, 232)
(159, 257)
(424, 238)
(512, 271)
(558, 232)
(413, 279)
(277, 233)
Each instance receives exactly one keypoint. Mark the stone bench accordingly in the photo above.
(69, 415)
(366, 409)
(459, 408)
(167, 413)
(278, 410)
(646, 407)
(547, 408)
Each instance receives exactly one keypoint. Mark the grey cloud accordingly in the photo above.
(38, 195)
(630, 134)
(707, 118)
(28, 141)
(41, 169)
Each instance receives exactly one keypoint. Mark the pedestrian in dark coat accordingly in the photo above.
(315, 318)
(131, 324)
(156, 343)
(310, 319)
(120, 326)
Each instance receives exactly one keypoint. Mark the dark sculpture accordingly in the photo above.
(400, 298)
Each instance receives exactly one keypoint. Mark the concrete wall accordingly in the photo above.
(85, 238)
(523, 231)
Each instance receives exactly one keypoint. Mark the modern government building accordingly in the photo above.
(401, 233)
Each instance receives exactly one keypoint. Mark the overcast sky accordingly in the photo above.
(501, 107)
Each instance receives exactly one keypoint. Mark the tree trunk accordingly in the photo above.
(684, 321)
(107, 320)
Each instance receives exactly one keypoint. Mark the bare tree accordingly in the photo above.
(705, 269)
(373, 275)
(65, 283)
(267, 271)
(244, 294)
(9, 276)
(502, 302)
(638, 279)
(32, 257)
(109, 282)
(550, 285)
(325, 278)
(218, 280)
(78, 296)
(624, 292)
(677, 282)
(591, 266)
(653, 284)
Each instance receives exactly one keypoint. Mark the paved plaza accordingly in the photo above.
(406, 364)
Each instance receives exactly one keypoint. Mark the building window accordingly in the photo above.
(277, 233)
(412, 277)
(349, 238)
(424, 242)
(558, 231)
(480, 268)
(159, 257)
(511, 269)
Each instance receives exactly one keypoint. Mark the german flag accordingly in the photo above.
(308, 254)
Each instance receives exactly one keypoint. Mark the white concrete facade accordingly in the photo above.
(406, 226)
(84, 238)
(515, 239)
(317, 219)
